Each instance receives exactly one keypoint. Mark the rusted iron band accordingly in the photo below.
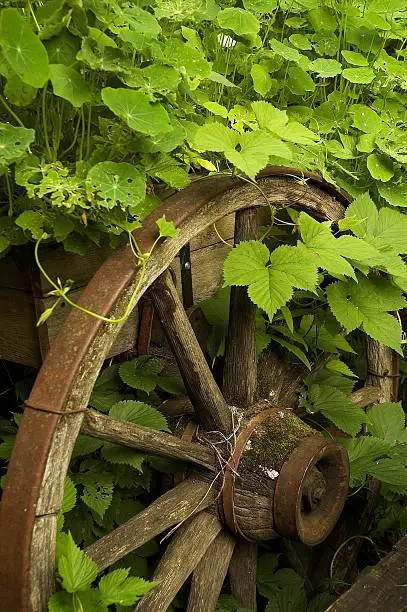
(52, 411)
(228, 490)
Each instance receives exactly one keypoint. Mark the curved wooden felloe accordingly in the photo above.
(54, 412)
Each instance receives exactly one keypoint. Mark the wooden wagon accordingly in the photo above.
(224, 513)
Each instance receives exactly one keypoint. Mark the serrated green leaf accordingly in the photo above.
(215, 137)
(85, 445)
(22, 48)
(61, 602)
(336, 365)
(293, 349)
(391, 471)
(268, 116)
(261, 79)
(387, 422)
(297, 133)
(76, 569)
(69, 499)
(97, 489)
(68, 84)
(116, 587)
(380, 167)
(358, 75)
(363, 451)
(136, 109)
(337, 407)
(241, 22)
(245, 263)
(166, 228)
(139, 413)
(114, 453)
(116, 184)
(141, 373)
(255, 151)
(364, 210)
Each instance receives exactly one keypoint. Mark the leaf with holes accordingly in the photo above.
(115, 183)
(14, 143)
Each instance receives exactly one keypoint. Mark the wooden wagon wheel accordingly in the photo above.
(312, 470)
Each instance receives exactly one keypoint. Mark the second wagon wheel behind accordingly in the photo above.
(219, 525)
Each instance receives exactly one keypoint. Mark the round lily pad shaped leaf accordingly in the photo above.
(116, 183)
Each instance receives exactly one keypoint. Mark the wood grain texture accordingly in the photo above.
(148, 440)
(209, 574)
(243, 574)
(171, 508)
(382, 588)
(183, 554)
(240, 371)
(209, 404)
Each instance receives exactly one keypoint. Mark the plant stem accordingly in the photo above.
(12, 113)
(9, 192)
(44, 120)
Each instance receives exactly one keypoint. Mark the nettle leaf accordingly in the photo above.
(270, 278)
(139, 413)
(117, 588)
(142, 373)
(326, 68)
(336, 365)
(115, 453)
(215, 137)
(255, 150)
(355, 58)
(22, 48)
(269, 117)
(363, 210)
(365, 305)
(69, 84)
(238, 20)
(14, 142)
(330, 252)
(337, 407)
(390, 471)
(97, 488)
(116, 183)
(135, 108)
(69, 499)
(380, 167)
(358, 75)
(387, 421)
(363, 452)
(76, 569)
(365, 119)
(261, 79)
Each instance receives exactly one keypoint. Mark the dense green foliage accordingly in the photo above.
(103, 98)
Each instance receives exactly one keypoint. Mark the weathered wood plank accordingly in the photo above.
(175, 506)
(209, 574)
(240, 372)
(383, 588)
(243, 573)
(210, 406)
(183, 554)
(146, 439)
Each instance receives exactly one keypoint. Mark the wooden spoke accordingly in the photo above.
(240, 373)
(146, 439)
(180, 559)
(209, 574)
(365, 396)
(243, 574)
(171, 508)
(177, 406)
(209, 404)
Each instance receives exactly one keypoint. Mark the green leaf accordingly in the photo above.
(355, 58)
(22, 48)
(135, 108)
(268, 116)
(14, 142)
(336, 365)
(246, 263)
(326, 68)
(363, 452)
(115, 453)
(116, 183)
(141, 373)
(61, 602)
(76, 569)
(380, 167)
(300, 42)
(216, 109)
(365, 119)
(337, 407)
(297, 133)
(260, 6)
(33, 222)
(238, 20)
(69, 84)
(69, 499)
(287, 600)
(261, 79)
(395, 195)
(140, 414)
(215, 137)
(364, 305)
(293, 349)
(288, 53)
(358, 75)
(187, 59)
(166, 228)
(17, 92)
(390, 471)
(364, 210)
(117, 588)
(387, 421)
(97, 489)
(255, 150)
